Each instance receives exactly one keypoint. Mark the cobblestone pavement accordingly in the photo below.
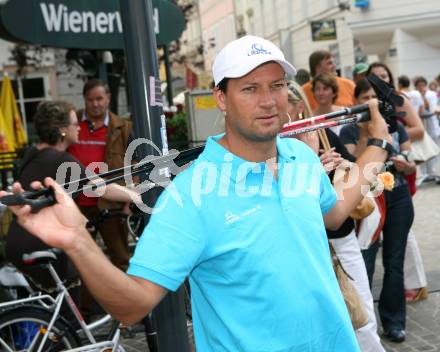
(423, 318)
(135, 344)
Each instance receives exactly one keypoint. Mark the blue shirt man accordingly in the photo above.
(249, 233)
(255, 250)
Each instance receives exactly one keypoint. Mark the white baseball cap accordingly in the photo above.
(242, 55)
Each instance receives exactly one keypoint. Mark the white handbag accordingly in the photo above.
(424, 149)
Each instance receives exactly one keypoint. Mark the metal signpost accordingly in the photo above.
(143, 73)
(138, 26)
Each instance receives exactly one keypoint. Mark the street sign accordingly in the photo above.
(85, 24)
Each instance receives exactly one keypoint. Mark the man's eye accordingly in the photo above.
(249, 89)
(278, 86)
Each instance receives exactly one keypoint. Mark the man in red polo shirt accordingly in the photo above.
(103, 137)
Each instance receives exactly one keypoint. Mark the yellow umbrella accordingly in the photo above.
(4, 145)
(15, 133)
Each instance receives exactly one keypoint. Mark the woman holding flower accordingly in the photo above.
(333, 155)
(398, 221)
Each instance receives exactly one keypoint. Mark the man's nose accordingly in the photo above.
(266, 98)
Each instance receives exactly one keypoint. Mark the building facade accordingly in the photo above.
(217, 20)
(400, 33)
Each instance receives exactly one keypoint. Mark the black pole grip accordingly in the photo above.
(41, 203)
(357, 109)
(35, 199)
(364, 116)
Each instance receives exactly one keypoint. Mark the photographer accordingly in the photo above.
(398, 221)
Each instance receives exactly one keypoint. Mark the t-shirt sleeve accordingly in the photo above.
(327, 198)
(171, 244)
(403, 134)
(348, 135)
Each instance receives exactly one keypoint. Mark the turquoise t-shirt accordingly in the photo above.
(255, 250)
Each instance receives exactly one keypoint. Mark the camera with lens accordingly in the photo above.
(389, 100)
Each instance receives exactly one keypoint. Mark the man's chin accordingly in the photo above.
(265, 137)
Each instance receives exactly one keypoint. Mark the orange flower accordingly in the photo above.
(387, 179)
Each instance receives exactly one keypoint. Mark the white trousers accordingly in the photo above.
(414, 270)
(348, 251)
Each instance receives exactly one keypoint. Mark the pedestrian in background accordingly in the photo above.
(103, 138)
(322, 61)
(411, 119)
(398, 221)
(302, 76)
(414, 270)
(325, 91)
(360, 71)
(430, 120)
(57, 128)
(332, 153)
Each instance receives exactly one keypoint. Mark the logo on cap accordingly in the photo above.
(258, 49)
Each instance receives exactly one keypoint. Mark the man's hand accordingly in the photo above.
(59, 225)
(377, 127)
(127, 298)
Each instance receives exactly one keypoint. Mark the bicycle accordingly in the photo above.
(135, 225)
(35, 323)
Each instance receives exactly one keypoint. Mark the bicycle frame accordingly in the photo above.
(54, 306)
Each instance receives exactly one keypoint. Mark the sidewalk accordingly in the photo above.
(423, 318)
(422, 327)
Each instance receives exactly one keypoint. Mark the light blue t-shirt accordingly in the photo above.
(255, 250)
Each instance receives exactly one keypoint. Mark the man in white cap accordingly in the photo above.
(245, 222)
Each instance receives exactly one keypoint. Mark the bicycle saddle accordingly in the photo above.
(41, 257)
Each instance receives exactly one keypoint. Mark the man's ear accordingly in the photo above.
(220, 98)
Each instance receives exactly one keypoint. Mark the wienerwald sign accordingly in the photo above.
(86, 24)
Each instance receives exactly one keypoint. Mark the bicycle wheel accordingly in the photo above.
(23, 328)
